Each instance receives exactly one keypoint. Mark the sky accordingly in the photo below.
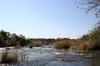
(45, 18)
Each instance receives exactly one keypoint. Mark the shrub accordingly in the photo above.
(80, 45)
(63, 44)
(94, 38)
(35, 44)
(94, 44)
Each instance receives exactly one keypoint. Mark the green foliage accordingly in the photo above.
(7, 39)
(85, 37)
(23, 41)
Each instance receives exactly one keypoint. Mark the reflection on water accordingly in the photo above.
(48, 56)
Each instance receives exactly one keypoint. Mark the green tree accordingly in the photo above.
(4, 36)
(2, 42)
(13, 39)
(7, 39)
(23, 40)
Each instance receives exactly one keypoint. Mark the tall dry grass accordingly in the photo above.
(9, 57)
(63, 44)
(35, 44)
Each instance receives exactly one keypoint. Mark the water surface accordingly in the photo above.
(48, 56)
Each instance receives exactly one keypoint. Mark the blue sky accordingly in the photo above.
(45, 18)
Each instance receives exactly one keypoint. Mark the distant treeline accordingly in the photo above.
(90, 41)
(8, 39)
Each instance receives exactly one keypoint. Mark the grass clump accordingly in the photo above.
(4, 57)
(63, 44)
(9, 57)
(80, 45)
(12, 58)
(35, 44)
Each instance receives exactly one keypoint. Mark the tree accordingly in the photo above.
(92, 5)
(95, 36)
(2, 41)
(4, 36)
(13, 40)
(95, 33)
(7, 39)
(23, 41)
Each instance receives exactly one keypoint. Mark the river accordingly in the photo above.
(48, 56)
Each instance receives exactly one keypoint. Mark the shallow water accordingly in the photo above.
(48, 56)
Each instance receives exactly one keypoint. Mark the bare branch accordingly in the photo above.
(92, 5)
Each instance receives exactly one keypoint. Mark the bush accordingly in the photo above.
(94, 39)
(35, 44)
(94, 44)
(63, 44)
(90, 41)
(80, 45)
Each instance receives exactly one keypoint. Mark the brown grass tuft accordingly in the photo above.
(9, 57)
